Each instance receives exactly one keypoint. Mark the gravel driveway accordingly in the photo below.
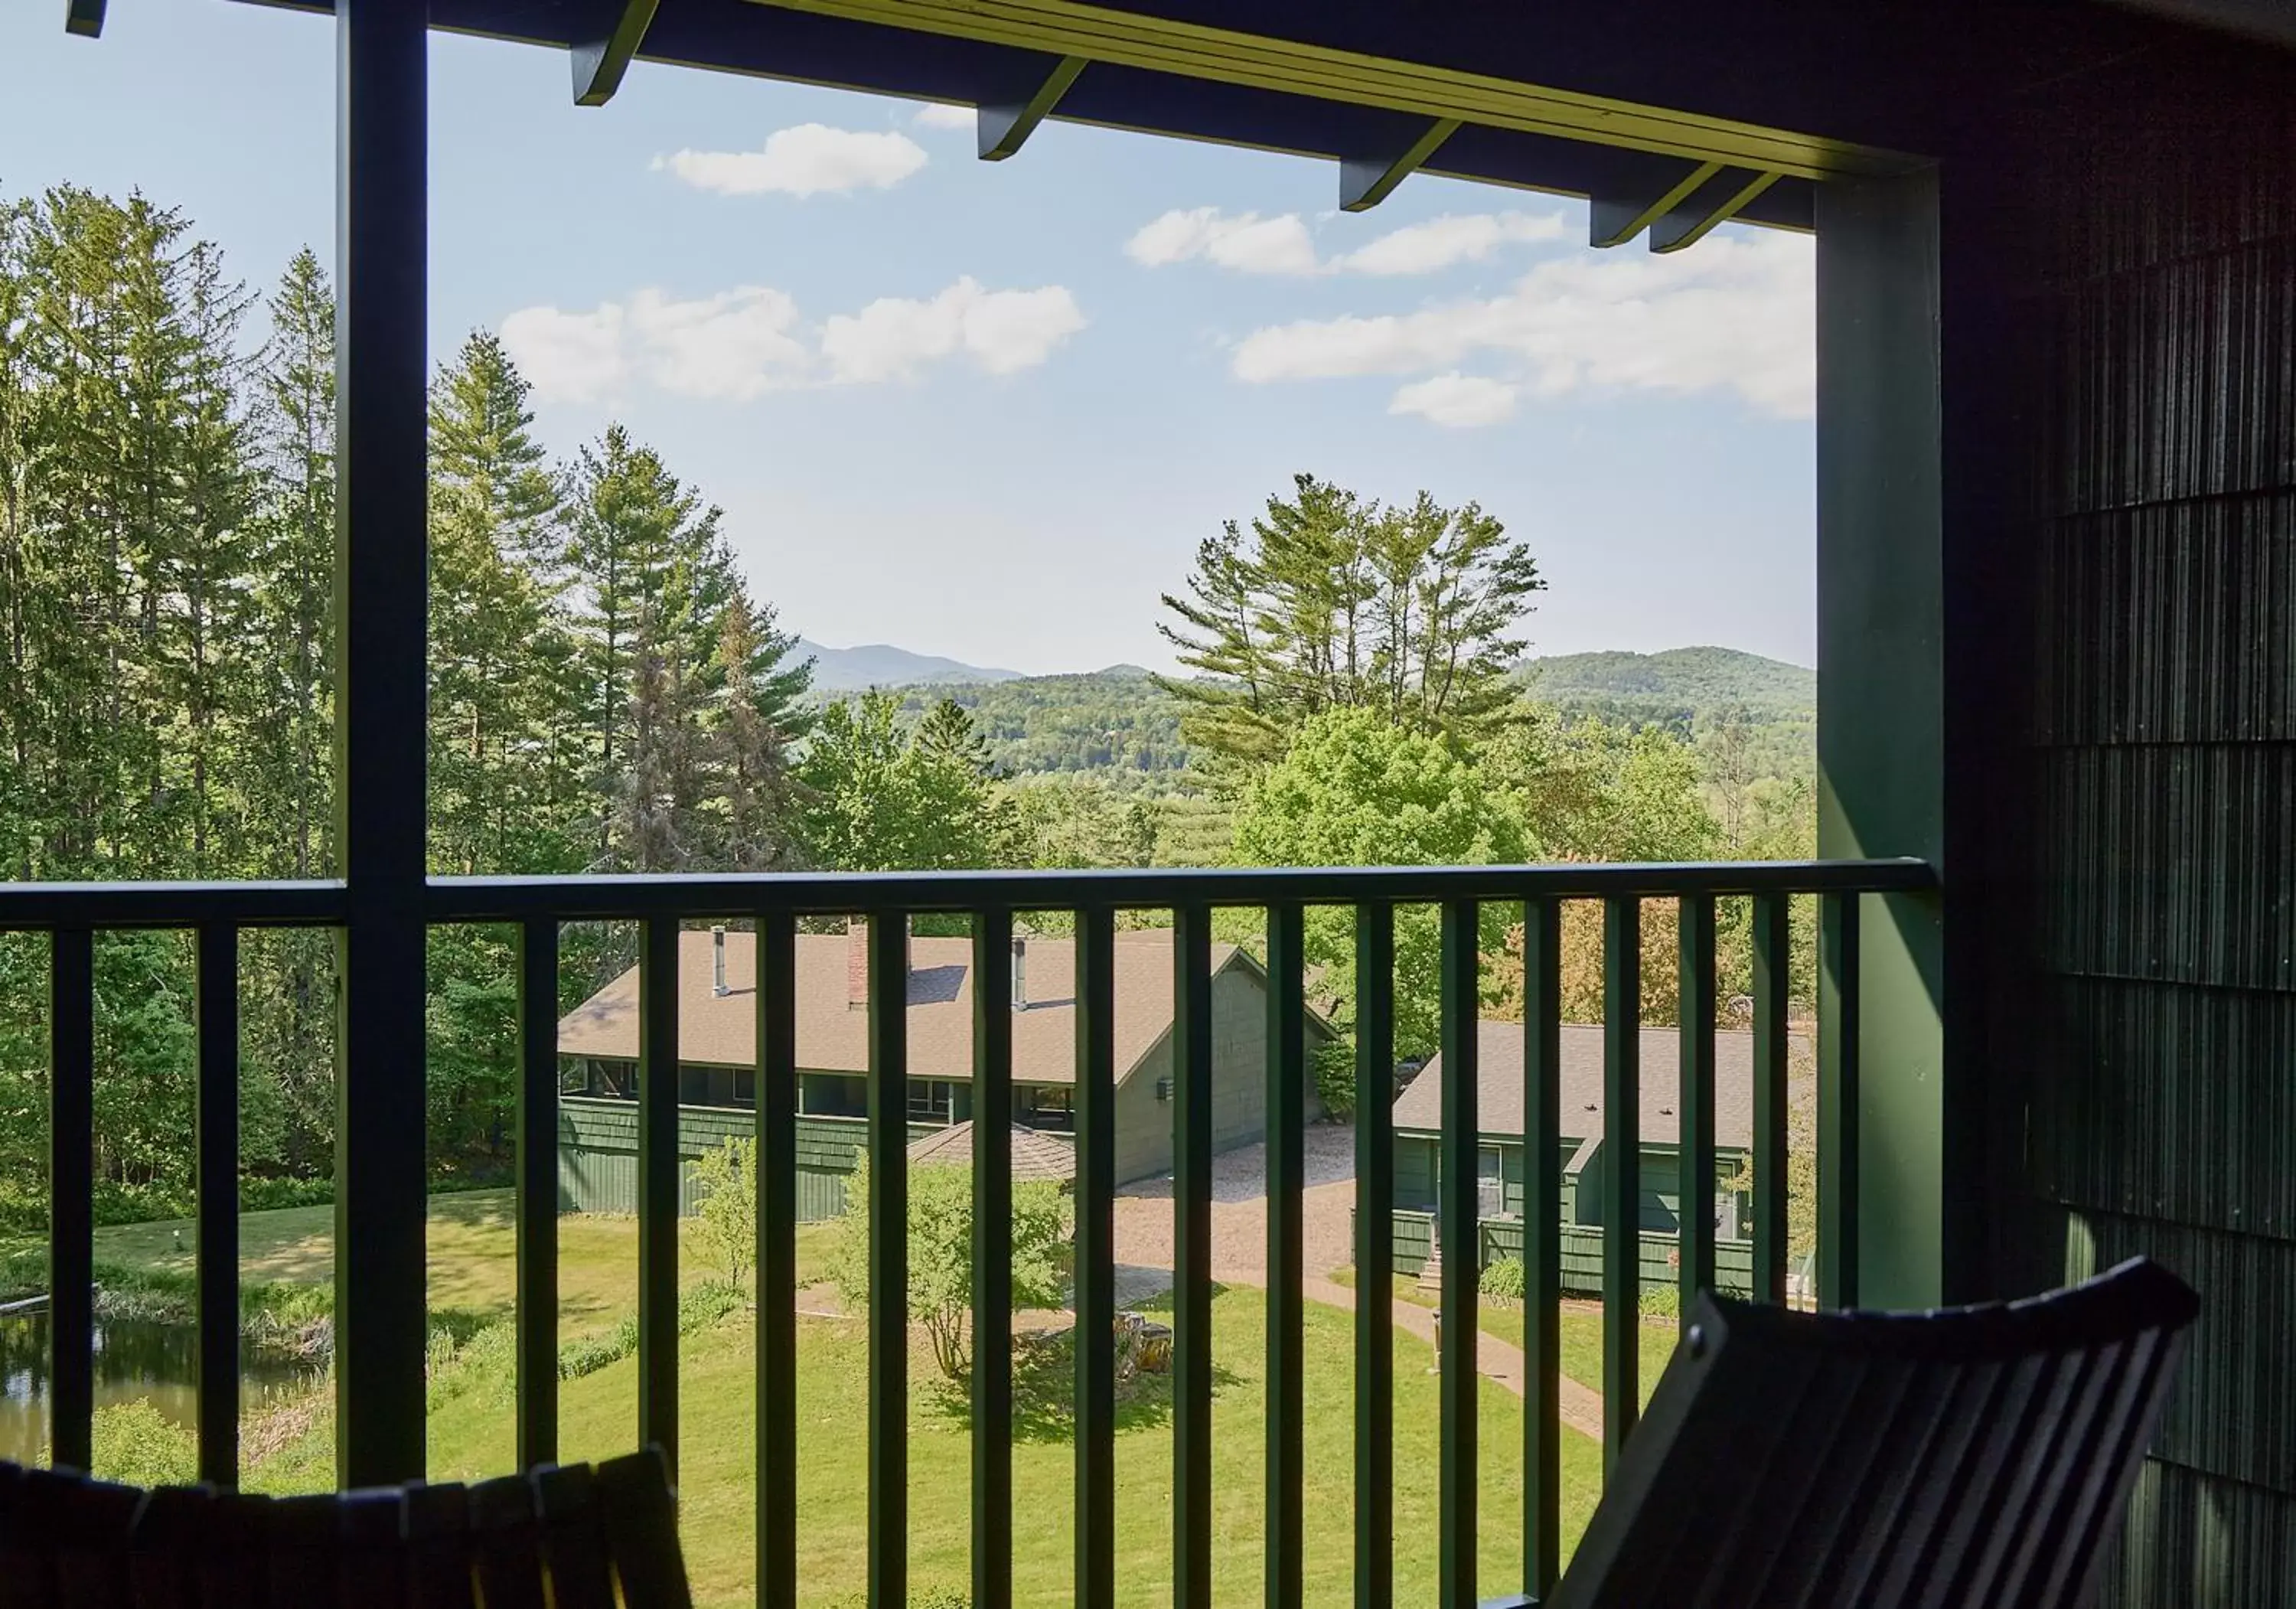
(1143, 1209)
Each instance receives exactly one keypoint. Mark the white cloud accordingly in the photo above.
(1001, 330)
(569, 356)
(808, 159)
(739, 344)
(732, 346)
(936, 114)
(1454, 238)
(1246, 242)
(1460, 401)
(1733, 315)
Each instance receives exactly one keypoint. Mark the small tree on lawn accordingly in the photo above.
(726, 1219)
(940, 1254)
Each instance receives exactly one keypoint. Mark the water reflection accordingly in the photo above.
(134, 1359)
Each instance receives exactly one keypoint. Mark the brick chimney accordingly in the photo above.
(857, 961)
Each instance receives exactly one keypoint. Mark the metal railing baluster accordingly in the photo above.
(71, 1196)
(992, 1260)
(1191, 1262)
(1773, 917)
(1542, 1250)
(1622, 1172)
(888, 1260)
(1096, 1254)
(1694, 1101)
(1375, 1472)
(777, 1360)
(1287, 1098)
(215, 1125)
(1837, 1102)
(1458, 1205)
(658, 1183)
(536, 1317)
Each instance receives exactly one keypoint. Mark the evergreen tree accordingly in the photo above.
(948, 737)
(290, 725)
(1330, 602)
(756, 787)
(494, 510)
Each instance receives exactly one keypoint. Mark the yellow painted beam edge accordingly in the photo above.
(1071, 29)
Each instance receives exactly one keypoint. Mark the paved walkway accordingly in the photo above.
(1144, 1237)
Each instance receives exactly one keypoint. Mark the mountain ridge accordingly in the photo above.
(867, 665)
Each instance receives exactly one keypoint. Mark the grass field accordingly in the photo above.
(473, 1255)
(598, 1416)
(472, 1411)
(1582, 1333)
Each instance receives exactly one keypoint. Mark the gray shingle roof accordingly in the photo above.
(1034, 1155)
(1499, 1085)
(720, 1030)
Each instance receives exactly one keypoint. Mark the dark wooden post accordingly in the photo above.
(381, 581)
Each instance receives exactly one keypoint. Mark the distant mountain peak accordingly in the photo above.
(1706, 676)
(869, 665)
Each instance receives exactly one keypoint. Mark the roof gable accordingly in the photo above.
(832, 1034)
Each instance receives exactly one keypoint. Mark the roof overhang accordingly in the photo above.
(1141, 69)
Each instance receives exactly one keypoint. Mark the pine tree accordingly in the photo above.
(292, 719)
(948, 736)
(1330, 602)
(757, 793)
(494, 512)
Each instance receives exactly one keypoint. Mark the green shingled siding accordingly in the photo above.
(1582, 1254)
(597, 1155)
(2139, 231)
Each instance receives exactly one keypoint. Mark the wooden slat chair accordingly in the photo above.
(567, 1536)
(1978, 1455)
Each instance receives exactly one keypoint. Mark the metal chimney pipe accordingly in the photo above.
(718, 946)
(1020, 972)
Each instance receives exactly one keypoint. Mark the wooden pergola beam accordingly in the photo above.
(600, 59)
(1005, 126)
(1366, 182)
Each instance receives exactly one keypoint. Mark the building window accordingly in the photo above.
(929, 1101)
(1040, 1108)
(1491, 1183)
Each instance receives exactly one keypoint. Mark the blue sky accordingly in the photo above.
(989, 410)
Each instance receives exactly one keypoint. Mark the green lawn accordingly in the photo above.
(472, 1414)
(1582, 1343)
(473, 1255)
(1582, 1333)
(598, 1418)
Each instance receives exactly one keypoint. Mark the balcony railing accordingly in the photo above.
(218, 913)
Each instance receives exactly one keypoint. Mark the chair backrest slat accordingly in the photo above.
(163, 1563)
(1977, 1455)
(557, 1538)
(642, 1531)
(437, 1522)
(95, 1521)
(572, 1513)
(506, 1544)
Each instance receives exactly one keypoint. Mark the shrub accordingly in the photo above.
(727, 1220)
(1333, 1064)
(136, 1443)
(1504, 1277)
(940, 1254)
(700, 1308)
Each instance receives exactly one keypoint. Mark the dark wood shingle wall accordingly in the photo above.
(2147, 246)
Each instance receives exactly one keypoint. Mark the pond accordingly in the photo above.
(134, 1359)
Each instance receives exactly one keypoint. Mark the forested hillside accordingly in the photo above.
(1115, 722)
(1674, 685)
